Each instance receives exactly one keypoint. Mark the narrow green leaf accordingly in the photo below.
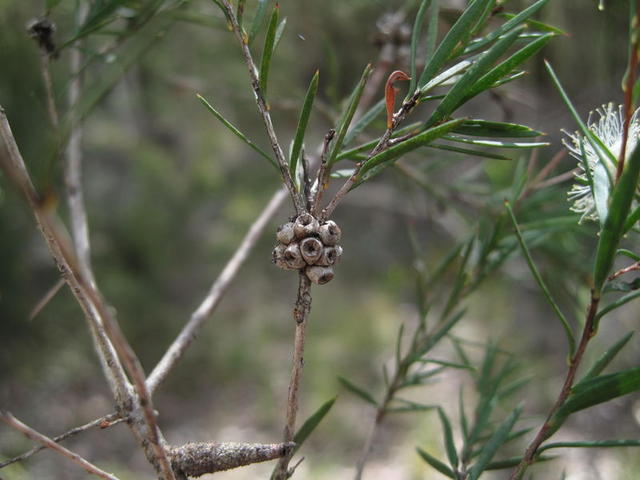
(449, 444)
(628, 253)
(435, 463)
(618, 303)
(51, 4)
(365, 147)
(504, 68)
(512, 23)
(302, 122)
(258, 20)
(513, 462)
(366, 396)
(434, 337)
(342, 173)
(464, 423)
(311, 423)
(267, 52)
(536, 274)
(605, 155)
(494, 143)
(591, 444)
(597, 368)
(469, 151)
(236, 132)
(279, 32)
(363, 122)
(347, 116)
(240, 12)
(432, 30)
(447, 77)
(538, 25)
(101, 14)
(461, 88)
(399, 345)
(415, 37)
(410, 406)
(452, 40)
(600, 389)
(613, 229)
(408, 145)
(444, 363)
(483, 128)
(632, 220)
(493, 444)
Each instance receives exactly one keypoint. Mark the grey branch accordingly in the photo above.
(49, 443)
(296, 196)
(219, 287)
(196, 459)
(88, 297)
(102, 422)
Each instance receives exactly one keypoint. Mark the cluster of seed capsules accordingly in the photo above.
(308, 245)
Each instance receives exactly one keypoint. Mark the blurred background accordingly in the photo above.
(170, 193)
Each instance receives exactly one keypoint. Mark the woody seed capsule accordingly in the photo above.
(285, 233)
(330, 233)
(305, 226)
(319, 275)
(330, 256)
(293, 257)
(311, 249)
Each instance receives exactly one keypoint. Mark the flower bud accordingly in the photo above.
(305, 225)
(285, 233)
(319, 275)
(330, 233)
(330, 256)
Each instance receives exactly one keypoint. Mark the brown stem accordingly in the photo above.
(300, 315)
(622, 271)
(49, 443)
(628, 89)
(547, 428)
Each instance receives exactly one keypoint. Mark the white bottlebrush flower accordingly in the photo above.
(608, 128)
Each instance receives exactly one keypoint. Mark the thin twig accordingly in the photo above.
(296, 196)
(300, 315)
(49, 443)
(219, 287)
(322, 180)
(102, 422)
(46, 299)
(631, 268)
(546, 430)
(88, 297)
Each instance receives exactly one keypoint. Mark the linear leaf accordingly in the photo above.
(618, 303)
(452, 39)
(365, 147)
(449, 444)
(435, 463)
(258, 20)
(469, 151)
(460, 89)
(366, 396)
(599, 390)
(235, 131)
(632, 220)
(347, 116)
(267, 52)
(311, 423)
(419, 140)
(536, 275)
(493, 444)
(415, 37)
(507, 26)
(592, 444)
(302, 122)
(362, 123)
(538, 25)
(494, 143)
(606, 358)
(483, 128)
(514, 461)
(279, 32)
(446, 77)
(614, 224)
(504, 68)
(434, 337)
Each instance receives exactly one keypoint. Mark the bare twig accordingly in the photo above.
(322, 180)
(89, 299)
(49, 443)
(46, 299)
(102, 422)
(631, 268)
(547, 428)
(219, 287)
(296, 197)
(300, 315)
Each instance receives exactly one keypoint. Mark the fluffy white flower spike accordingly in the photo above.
(608, 128)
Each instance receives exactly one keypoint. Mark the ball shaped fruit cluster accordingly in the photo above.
(309, 245)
